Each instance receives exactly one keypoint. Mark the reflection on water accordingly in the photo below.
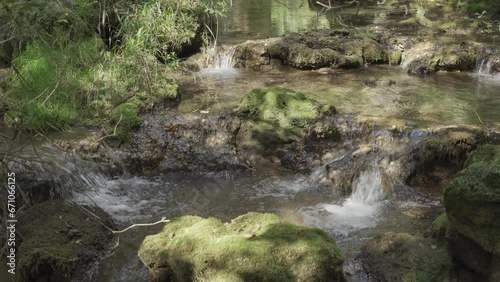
(267, 18)
(380, 93)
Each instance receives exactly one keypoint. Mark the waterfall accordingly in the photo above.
(484, 68)
(362, 209)
(221, 57)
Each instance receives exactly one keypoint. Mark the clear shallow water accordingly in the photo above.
(268, 18)
(380, 93)
(298, 198)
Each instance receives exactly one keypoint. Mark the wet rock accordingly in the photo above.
(61, 242)
(340, 48)
(471, 201)
(184, 142)
(429, 57)
(404, 257)
(253, 54)
(252, 247)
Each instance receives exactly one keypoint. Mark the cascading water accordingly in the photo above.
(220, 61)
(221, 57)
(485, 70)
(361, 210)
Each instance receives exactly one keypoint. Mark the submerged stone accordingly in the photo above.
(252, 247)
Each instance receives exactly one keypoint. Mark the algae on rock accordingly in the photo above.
(252, 247)
(276, 116)
(472, 199)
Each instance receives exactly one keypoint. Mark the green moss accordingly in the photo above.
(126, 116)
(283, 107)
(253, 247)
(439, 226)
(404, 257)
(395, 57)
(472, 198)
(277, 116)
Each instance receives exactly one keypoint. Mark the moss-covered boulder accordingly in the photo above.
(328, 48)
(404, 257)
(275, 117)
(473, 197)
(59, 241)
(252, 247)
(472, 201)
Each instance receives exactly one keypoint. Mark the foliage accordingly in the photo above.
(62, 78)
(51, 84)
(162, 27)
(24, 21)
(479, 9)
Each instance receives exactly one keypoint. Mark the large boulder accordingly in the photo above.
(252, 247)
(471, 200)
(61, 241)
(404, 257)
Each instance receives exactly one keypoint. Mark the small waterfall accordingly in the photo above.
(484, 69)
(489, 68)
(221, 57)
(360, 210)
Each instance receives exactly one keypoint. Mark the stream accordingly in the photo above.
(385, 95)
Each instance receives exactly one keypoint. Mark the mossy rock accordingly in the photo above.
(253, 247)
(338, 48)
(403, 257)
(59, 239)
(472, 199)
(127, 117)
(276, 116)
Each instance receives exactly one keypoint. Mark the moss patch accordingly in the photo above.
(253, 247)
(439, 226)
(472, 199)
(277, 116)
(404, 257)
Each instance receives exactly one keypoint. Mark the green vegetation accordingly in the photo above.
(63, 76)
(439, 226)
(253, 247)
(479, 9)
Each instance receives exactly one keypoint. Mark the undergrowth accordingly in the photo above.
(64, 77)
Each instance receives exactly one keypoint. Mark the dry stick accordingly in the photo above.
(53, 90)
(114, 131)
(478, 117)
(162, 220)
